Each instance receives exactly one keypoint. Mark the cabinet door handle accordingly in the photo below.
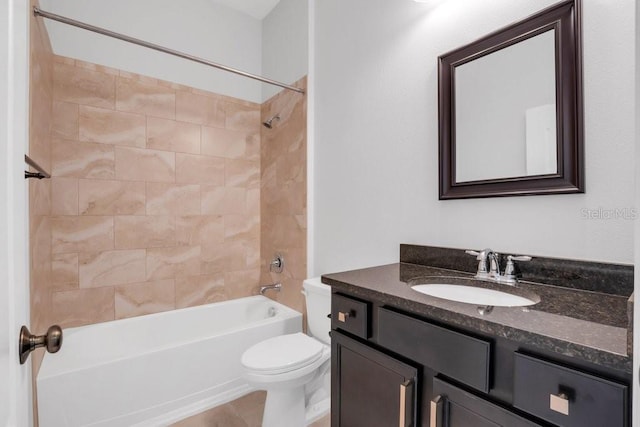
(559, 403)
(343, 316)
(405, 395)
(435, 409)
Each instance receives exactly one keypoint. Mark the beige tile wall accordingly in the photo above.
(154, 196)
(283, 201)
(158, 199)
(40, 206)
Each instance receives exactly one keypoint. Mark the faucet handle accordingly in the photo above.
(481, 257)
(510, 270)
(519, 258)
(474, 253)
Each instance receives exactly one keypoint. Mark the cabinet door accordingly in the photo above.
(370, 388)
(454, 407)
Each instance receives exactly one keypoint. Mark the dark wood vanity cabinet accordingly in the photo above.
(351, 315)
(453, 407)
(565, 396)
(370, 388)
(393, 368)
(450, 353)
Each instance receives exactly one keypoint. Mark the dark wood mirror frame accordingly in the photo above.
(565, 19)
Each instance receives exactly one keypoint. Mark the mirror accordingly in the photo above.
(510, 109)
(518, 137)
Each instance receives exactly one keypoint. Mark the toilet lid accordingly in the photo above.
(282, 354)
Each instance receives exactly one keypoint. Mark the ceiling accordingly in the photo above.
(256, 8)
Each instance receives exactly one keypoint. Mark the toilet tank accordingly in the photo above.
(318, 302)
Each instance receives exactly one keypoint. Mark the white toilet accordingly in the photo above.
(294, 369)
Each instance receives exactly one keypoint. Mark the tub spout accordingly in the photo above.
(275, 286)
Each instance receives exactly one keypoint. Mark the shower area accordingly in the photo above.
(162, 195)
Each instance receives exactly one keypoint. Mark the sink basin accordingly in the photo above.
(485, 295)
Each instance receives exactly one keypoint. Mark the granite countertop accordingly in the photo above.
(584, 324)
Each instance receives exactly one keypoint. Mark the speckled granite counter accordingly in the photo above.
(588, 325)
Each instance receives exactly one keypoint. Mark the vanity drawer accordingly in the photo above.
(458, 356)
(464, 409)
(567, 397)
(350, 315)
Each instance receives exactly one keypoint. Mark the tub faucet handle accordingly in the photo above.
(277, 263)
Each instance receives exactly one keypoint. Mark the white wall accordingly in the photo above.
(376, 132)
(311, 141)
(197, 27)
(285, 40)
(15, 383)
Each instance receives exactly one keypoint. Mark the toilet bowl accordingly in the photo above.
(294, 368)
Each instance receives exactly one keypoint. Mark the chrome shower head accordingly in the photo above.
(268, 123)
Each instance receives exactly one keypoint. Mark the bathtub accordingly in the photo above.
(157, 369)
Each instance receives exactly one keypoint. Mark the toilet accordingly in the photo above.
(294, 369)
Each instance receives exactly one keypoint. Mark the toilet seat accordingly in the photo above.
(284, 353)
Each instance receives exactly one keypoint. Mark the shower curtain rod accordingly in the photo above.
(69, 21)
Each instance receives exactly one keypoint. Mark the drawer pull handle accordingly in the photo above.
(559, 403)
(436, 405)
(403, 403)
(342, 316)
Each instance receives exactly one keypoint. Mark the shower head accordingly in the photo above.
(268, 123)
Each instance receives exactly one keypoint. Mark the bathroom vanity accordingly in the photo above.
(402, 358)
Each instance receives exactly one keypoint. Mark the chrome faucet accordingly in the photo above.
(482, 258)
(276, 286)
(492, 258)
(494, 264)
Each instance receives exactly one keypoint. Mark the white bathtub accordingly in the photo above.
(157, 369)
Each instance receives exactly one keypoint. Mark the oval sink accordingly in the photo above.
(472, 291)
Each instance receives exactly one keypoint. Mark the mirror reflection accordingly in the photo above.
(505, 112)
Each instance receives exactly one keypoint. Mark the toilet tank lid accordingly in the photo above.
(315, 285)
